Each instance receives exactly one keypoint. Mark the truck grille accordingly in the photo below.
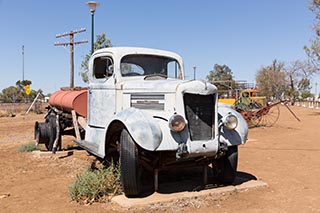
(199, 111)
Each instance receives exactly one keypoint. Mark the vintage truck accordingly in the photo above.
(141, 112)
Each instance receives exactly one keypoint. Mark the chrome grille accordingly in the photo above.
(199, 111)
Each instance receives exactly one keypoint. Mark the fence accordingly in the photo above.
(312, 104)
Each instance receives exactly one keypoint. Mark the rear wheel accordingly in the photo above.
(129, 165)
(225, 168)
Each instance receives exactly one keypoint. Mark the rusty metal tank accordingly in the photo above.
(71, 99)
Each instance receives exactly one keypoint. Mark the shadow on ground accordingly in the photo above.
(188, 180)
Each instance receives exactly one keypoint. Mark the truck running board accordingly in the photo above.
(90, 147)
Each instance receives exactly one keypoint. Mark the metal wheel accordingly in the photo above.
(254, 121)
(52, 128)
(270, 116)
(52, 133)
(225, 168)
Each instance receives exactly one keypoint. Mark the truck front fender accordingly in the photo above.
(143, 128)
(236, 136)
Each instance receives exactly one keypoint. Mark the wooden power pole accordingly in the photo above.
(71, 43)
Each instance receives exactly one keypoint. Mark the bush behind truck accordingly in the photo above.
(139, 110)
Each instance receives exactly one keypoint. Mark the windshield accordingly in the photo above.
(144, 65)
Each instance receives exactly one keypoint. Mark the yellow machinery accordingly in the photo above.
(248, 98)
(255, 109)
(251, 98)
(231, 101)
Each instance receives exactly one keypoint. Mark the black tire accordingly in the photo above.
(129, 165)
(225, 168)
(51, 119)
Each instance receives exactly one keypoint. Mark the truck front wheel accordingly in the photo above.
(129, 165)
(225, 168)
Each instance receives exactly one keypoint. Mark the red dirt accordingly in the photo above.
(286, 156)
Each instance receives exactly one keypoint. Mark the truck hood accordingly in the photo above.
(168, 86)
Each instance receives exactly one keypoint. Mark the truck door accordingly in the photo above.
(101, 96)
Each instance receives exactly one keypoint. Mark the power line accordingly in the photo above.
(71, 43)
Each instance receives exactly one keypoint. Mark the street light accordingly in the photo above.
(92, 5)
(315, 95)
(194, 73)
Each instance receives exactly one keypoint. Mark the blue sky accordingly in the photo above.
(244, 35)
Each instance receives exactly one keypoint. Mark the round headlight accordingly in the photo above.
(177, 123)
(231, 122)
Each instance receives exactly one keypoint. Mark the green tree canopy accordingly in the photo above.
(16, 94)
(11, 95)
(21, 85)
(221, 77)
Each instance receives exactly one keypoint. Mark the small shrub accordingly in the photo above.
(29, 147)
(96, 184)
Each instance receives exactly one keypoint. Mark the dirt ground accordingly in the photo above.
(285, 156)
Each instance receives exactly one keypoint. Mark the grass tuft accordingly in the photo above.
(96, 185)
(28, 147)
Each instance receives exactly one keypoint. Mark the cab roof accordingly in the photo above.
(122, 51)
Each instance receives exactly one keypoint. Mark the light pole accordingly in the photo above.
(92, 5)
(22, 62)
(194, 73)
(315, 95)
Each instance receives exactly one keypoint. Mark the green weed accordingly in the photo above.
(96, 184)
(28, 147)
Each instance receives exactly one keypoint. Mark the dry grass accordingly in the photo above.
(12, 109)
(5, 113)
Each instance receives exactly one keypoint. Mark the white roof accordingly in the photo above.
(121, 51)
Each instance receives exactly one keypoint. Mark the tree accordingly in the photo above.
(292, 74)
(313, 51)
(271, 80)
(16, 94)
(21, 85)
(101, 42)
(221, 77)
(298, 75)
(11, 95)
